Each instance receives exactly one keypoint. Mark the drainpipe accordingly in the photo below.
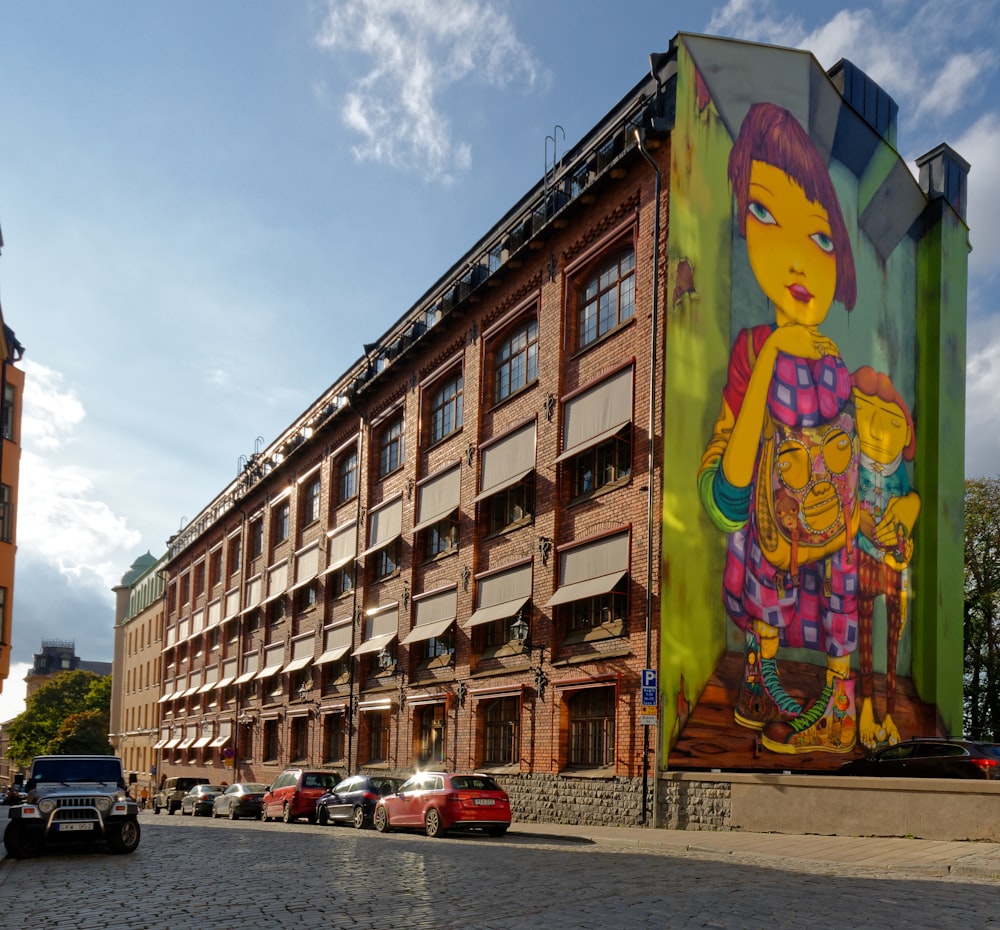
(650, 463)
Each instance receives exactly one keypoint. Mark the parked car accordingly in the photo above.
(169, 795)
(930, 758)
(443, 801)
(294, 793)
(199, 800)
(353, 800)
(242, 799)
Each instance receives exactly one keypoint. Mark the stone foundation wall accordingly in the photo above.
(617, 802)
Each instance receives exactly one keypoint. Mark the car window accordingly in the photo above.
(412, 784)
(385, 785)
(990, 749)
(344, 786)
(895, 753)
(939, 750)
(474, 782)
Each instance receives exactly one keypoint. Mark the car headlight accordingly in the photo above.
(103, 805)
(46, 806)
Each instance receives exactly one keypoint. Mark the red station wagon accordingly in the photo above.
(439, 801)
(294, 794)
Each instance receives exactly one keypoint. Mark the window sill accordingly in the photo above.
(512, 527)
(607, 771)
(610, 334)
(595, 634)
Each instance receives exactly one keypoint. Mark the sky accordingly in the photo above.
(208, 208)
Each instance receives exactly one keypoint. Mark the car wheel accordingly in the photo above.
(23, 841)
(286, 814)
(359, 817)
(381, 820)
(263, 814)
(123, 837)
(232, 812)
(496, 831)
(323, 817)
(156, 809)
(432, 823)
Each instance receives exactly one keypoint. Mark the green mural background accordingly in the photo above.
(909, 322)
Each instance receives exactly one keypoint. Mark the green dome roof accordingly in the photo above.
(139, 567)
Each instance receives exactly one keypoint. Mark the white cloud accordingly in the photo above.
(57, 517)
(14, 690)
(979, 146)
(417, 50)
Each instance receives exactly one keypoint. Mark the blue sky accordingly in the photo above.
(209, 207)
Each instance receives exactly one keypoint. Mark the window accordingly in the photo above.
(253, 621)
(516, 360)
(607, 298)
(442, 537)
(341, 581)
(430, 735)
(185, 589)
(605, 610)
(335, 673)
(333, 737)
(215, 568)
(592, 727)
(347, 476)
(256, 537)
(387, 560)
(438, 650)
(279, 525)
(446, 407)
(602, 465)
(307, 596)
(5, 513)
(9, 397)
(300, 738)
(390, 446)
(235, 555)
(500, 736)
(512, 505)
(378, 736)
(199, 579)
(270, 746)
(310, 501)
(277, 610)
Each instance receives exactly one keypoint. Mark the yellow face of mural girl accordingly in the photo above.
(790, 246)
(883, 432)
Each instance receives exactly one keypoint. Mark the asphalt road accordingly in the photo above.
(198, 873)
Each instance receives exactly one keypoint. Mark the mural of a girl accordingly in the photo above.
(780, 473)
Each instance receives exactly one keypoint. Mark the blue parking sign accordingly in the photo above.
(649, 678)
(649, 697)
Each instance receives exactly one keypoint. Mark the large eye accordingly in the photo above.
(793, 466)
(838, 451)
(823, 241)
(760, 213)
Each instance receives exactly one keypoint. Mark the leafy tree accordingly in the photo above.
(86, 732)
(33, 732)
(982, 609)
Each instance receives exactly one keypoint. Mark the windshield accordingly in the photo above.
(77, 770)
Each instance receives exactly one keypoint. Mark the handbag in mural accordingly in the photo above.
(805, 498)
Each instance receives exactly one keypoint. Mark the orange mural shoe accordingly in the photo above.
(829, 725)
(761, 698)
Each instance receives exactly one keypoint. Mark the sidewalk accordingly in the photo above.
(926, 858)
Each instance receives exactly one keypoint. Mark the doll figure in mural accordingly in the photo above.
(889, 508)
(780, 473)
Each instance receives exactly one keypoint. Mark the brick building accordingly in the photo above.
(453, 557)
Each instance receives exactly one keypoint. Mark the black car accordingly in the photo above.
(353, 800)
(242, 799)
(930, 758)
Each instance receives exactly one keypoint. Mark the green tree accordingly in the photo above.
(86, 732)
(38, 728)
(982, 609)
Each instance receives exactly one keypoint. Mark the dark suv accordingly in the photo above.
(930, 758)
(169, 796)
(294, 793)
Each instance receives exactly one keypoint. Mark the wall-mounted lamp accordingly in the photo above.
(386, 660)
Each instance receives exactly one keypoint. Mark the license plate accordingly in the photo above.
(72, 827)
(484, 802)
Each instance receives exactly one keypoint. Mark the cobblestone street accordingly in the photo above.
(191, 874)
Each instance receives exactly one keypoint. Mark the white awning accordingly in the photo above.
(225, 682)
(592, 587)
(244, 678)
(201, 741)
(333, 655)
(497, 612)
(427, 631)
(160, 743)
(187, 742)
(268, 671)
(220, 740)
(297, 664)
(375, 644)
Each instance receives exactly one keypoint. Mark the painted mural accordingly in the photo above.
(796, 303)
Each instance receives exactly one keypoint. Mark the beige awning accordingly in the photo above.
(578, 590)
(201, 741)
(375, 644)
(333, 655)
(297, 664)
(427, 631)
(497, 612)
